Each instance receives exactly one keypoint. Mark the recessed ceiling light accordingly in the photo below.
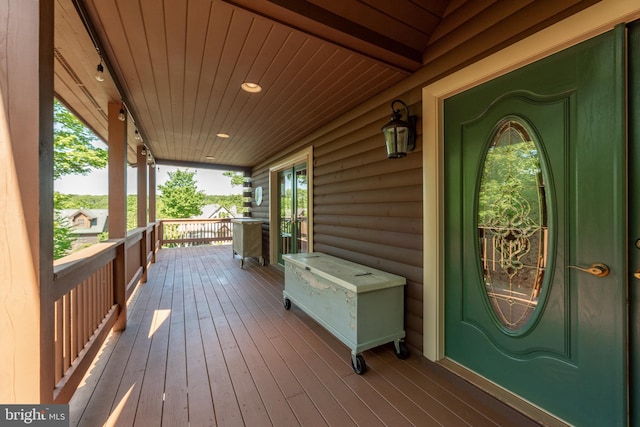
(222, 135)
(210, 158)
(251, 87)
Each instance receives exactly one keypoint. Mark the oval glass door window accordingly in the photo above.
(512, 224)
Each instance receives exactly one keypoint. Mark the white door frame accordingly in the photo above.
(597, 19)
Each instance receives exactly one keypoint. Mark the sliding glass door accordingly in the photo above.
(293, 211)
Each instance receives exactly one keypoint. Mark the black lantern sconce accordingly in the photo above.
(400, 135)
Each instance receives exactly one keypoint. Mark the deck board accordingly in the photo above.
(210, 344)
(200, 400)
(175, 406)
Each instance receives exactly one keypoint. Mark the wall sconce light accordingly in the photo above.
(137, 136)
(121, 115)
(400, 135)
(99, 72)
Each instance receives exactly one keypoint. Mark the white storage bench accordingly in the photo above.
(361, 306)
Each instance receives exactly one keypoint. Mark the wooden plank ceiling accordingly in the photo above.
(178, 65)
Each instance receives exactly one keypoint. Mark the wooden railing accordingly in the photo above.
(195, 231)
(91, 288)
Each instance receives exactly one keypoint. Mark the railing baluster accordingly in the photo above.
(75, 321)
(194, 231)
(91, 283)
(86, 291)
(66, 309)
(59, 340)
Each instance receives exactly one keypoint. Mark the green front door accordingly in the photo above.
(535, 223)
(634, 220)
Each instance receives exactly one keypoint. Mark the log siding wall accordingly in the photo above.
(262, 211)
(369, 209)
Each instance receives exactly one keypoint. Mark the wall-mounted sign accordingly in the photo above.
(258, 196)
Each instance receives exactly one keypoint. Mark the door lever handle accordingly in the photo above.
(597, 269)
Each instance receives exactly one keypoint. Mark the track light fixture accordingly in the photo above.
(121, 116)
(99, 72)
(137, 136)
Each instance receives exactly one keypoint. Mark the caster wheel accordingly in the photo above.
(401, 350)
(358, 364)
(287, 304)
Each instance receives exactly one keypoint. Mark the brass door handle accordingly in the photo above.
(637, 274)
(597, 269)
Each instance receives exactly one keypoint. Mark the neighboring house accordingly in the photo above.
(202, 232)
(215, 210)
(86, 224)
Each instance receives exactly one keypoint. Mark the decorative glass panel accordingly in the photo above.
(512, 224)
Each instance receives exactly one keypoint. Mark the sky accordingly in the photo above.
(212, 182)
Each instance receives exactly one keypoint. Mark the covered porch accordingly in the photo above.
(209, 343)
(130, 334)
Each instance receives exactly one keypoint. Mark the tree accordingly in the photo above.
(512, 189)
(227, 201)
(180, 196)
(62, 236)
(73, 153)
(237, 179)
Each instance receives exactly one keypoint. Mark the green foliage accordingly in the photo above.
(180, 197)
(85, 201)
(73, 153)
(237, 178)
(73, 149)
(132, 212)
(227, 201)
(511, 186)
(62, 237)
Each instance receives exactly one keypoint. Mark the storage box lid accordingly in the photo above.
(246, 221)
(354, 277)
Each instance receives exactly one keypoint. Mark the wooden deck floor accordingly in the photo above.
(208, 343)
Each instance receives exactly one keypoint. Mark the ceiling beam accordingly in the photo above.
(311, 19)
(198, 165)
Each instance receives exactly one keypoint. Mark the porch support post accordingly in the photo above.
(152, 210)
(142, 207)
(152, 193)
(118, 207)
(26, 203)
(142, 186)
(246, 194)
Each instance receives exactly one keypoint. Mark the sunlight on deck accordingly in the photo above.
(159, 317)
(208, 343)
(113, 418)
